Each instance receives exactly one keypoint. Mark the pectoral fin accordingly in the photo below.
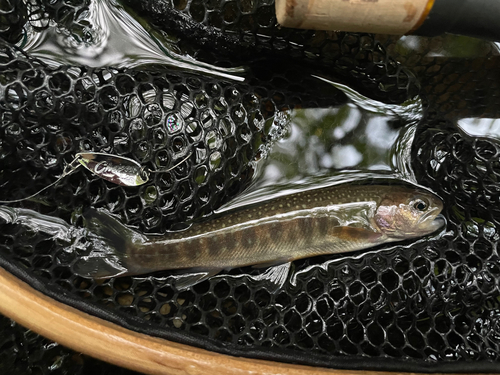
(182, 282)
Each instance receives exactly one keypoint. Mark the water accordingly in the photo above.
(481, 127)
(360, 139)
(112, 37)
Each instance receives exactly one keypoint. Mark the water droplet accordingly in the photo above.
(215, 160)
(201, 100)
(194, 131)
(168, 100)
(162, 159)
(201, 174)
(150, 194)
(213, 140)
(201, 154)
(13, 130)
(153, 114)
(226, 127)
(220, 105)
(174, 122)
(134, 107)
(213, 90)
(238, 114)
(207, 118)
(232, 95)
(137, 130)
(159, 138)
(187, 109)
(147, 93)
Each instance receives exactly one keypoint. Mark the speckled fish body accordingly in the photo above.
(322, 221)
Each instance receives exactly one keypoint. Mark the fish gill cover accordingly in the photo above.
(424, 306)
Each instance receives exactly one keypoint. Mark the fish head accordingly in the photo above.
(406, 213)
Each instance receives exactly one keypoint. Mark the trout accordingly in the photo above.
(323, 221)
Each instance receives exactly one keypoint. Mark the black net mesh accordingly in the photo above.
(23, 352)
(12, 19)
(425, 306)
(154, 116)
(244, 31)
(456, 83)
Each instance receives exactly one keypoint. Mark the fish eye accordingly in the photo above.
(420, 205)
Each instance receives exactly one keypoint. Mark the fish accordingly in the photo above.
(329, 220)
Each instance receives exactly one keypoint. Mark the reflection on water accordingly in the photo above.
(362, 139)
(447, 45)
(330, 139)
(112, 37)
(458, 75)
(480, 127)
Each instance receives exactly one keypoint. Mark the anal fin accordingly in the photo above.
(276, 275)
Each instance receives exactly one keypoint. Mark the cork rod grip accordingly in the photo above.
(375, 16)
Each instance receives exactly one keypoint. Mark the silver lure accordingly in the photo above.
(116, 169)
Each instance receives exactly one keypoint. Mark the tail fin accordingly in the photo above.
(109, 242)
(107, 239)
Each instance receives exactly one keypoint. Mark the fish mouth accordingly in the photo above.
(437, 223)
(431, 221)
(429, 215)
(427, 226)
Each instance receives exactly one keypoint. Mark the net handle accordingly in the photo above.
(139, 352)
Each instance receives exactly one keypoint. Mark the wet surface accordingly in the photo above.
(258, 128)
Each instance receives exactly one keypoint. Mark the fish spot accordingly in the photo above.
(304, 206)
(288, 204)
(249, 216)
(281, 206)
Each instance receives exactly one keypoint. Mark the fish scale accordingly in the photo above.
(328, 220)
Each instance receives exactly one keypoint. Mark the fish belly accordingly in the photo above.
(272, 242)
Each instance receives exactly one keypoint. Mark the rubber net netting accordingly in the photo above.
(424, 306)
